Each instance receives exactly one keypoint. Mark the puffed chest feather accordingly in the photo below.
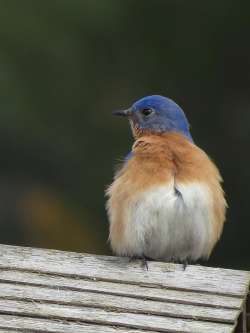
(170, 222)
(166, 202)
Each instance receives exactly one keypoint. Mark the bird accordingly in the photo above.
(166, 201)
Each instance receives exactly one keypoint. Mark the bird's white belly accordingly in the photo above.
(163, 223)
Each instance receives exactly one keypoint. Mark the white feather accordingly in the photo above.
(163, 224)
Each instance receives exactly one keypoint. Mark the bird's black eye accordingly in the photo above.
(146, 111)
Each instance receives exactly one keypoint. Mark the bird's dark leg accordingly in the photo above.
(144, 260)
(133, 258)
(184, 264)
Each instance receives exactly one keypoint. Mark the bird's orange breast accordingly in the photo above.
(160, 160)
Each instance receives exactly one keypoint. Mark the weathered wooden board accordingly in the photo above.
(9, 323)
(109, 317)
(195, 277)
(55, 291)
(119, 303)
(120, 289)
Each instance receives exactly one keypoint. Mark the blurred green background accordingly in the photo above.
(65, 65)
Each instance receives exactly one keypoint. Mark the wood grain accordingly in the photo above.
(116, 303)
(120, 289)
(56, 291)
(9, 323)
(195, 278)
(106, 317)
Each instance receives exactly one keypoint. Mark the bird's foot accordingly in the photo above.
(184, 264)
(144, 260)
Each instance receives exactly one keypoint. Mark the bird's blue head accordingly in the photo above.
(156, 114)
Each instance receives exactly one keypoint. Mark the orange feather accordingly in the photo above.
(158, 159)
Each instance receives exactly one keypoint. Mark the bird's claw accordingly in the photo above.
(144, 263)
(143, 259)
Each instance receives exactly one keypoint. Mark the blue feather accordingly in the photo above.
(166, 116)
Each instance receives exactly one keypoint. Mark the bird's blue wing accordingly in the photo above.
(128, 156)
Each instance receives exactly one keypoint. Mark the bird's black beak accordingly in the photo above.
(123, 113)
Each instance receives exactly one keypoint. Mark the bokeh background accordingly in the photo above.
(65, 65)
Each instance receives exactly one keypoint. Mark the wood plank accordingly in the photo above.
(9, 330)
(116, 303)
(11, 324)
(6, 330)
(120, 289)
(196, 278)
(103, 317)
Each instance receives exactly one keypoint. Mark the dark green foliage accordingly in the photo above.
(65, 65)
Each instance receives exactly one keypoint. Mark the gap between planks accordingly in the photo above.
(118, 289)
(110, 318)
(194, 278)
(116, 303)
(97, 307)
(11, 323)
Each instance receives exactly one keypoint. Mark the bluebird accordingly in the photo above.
(166, 201)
